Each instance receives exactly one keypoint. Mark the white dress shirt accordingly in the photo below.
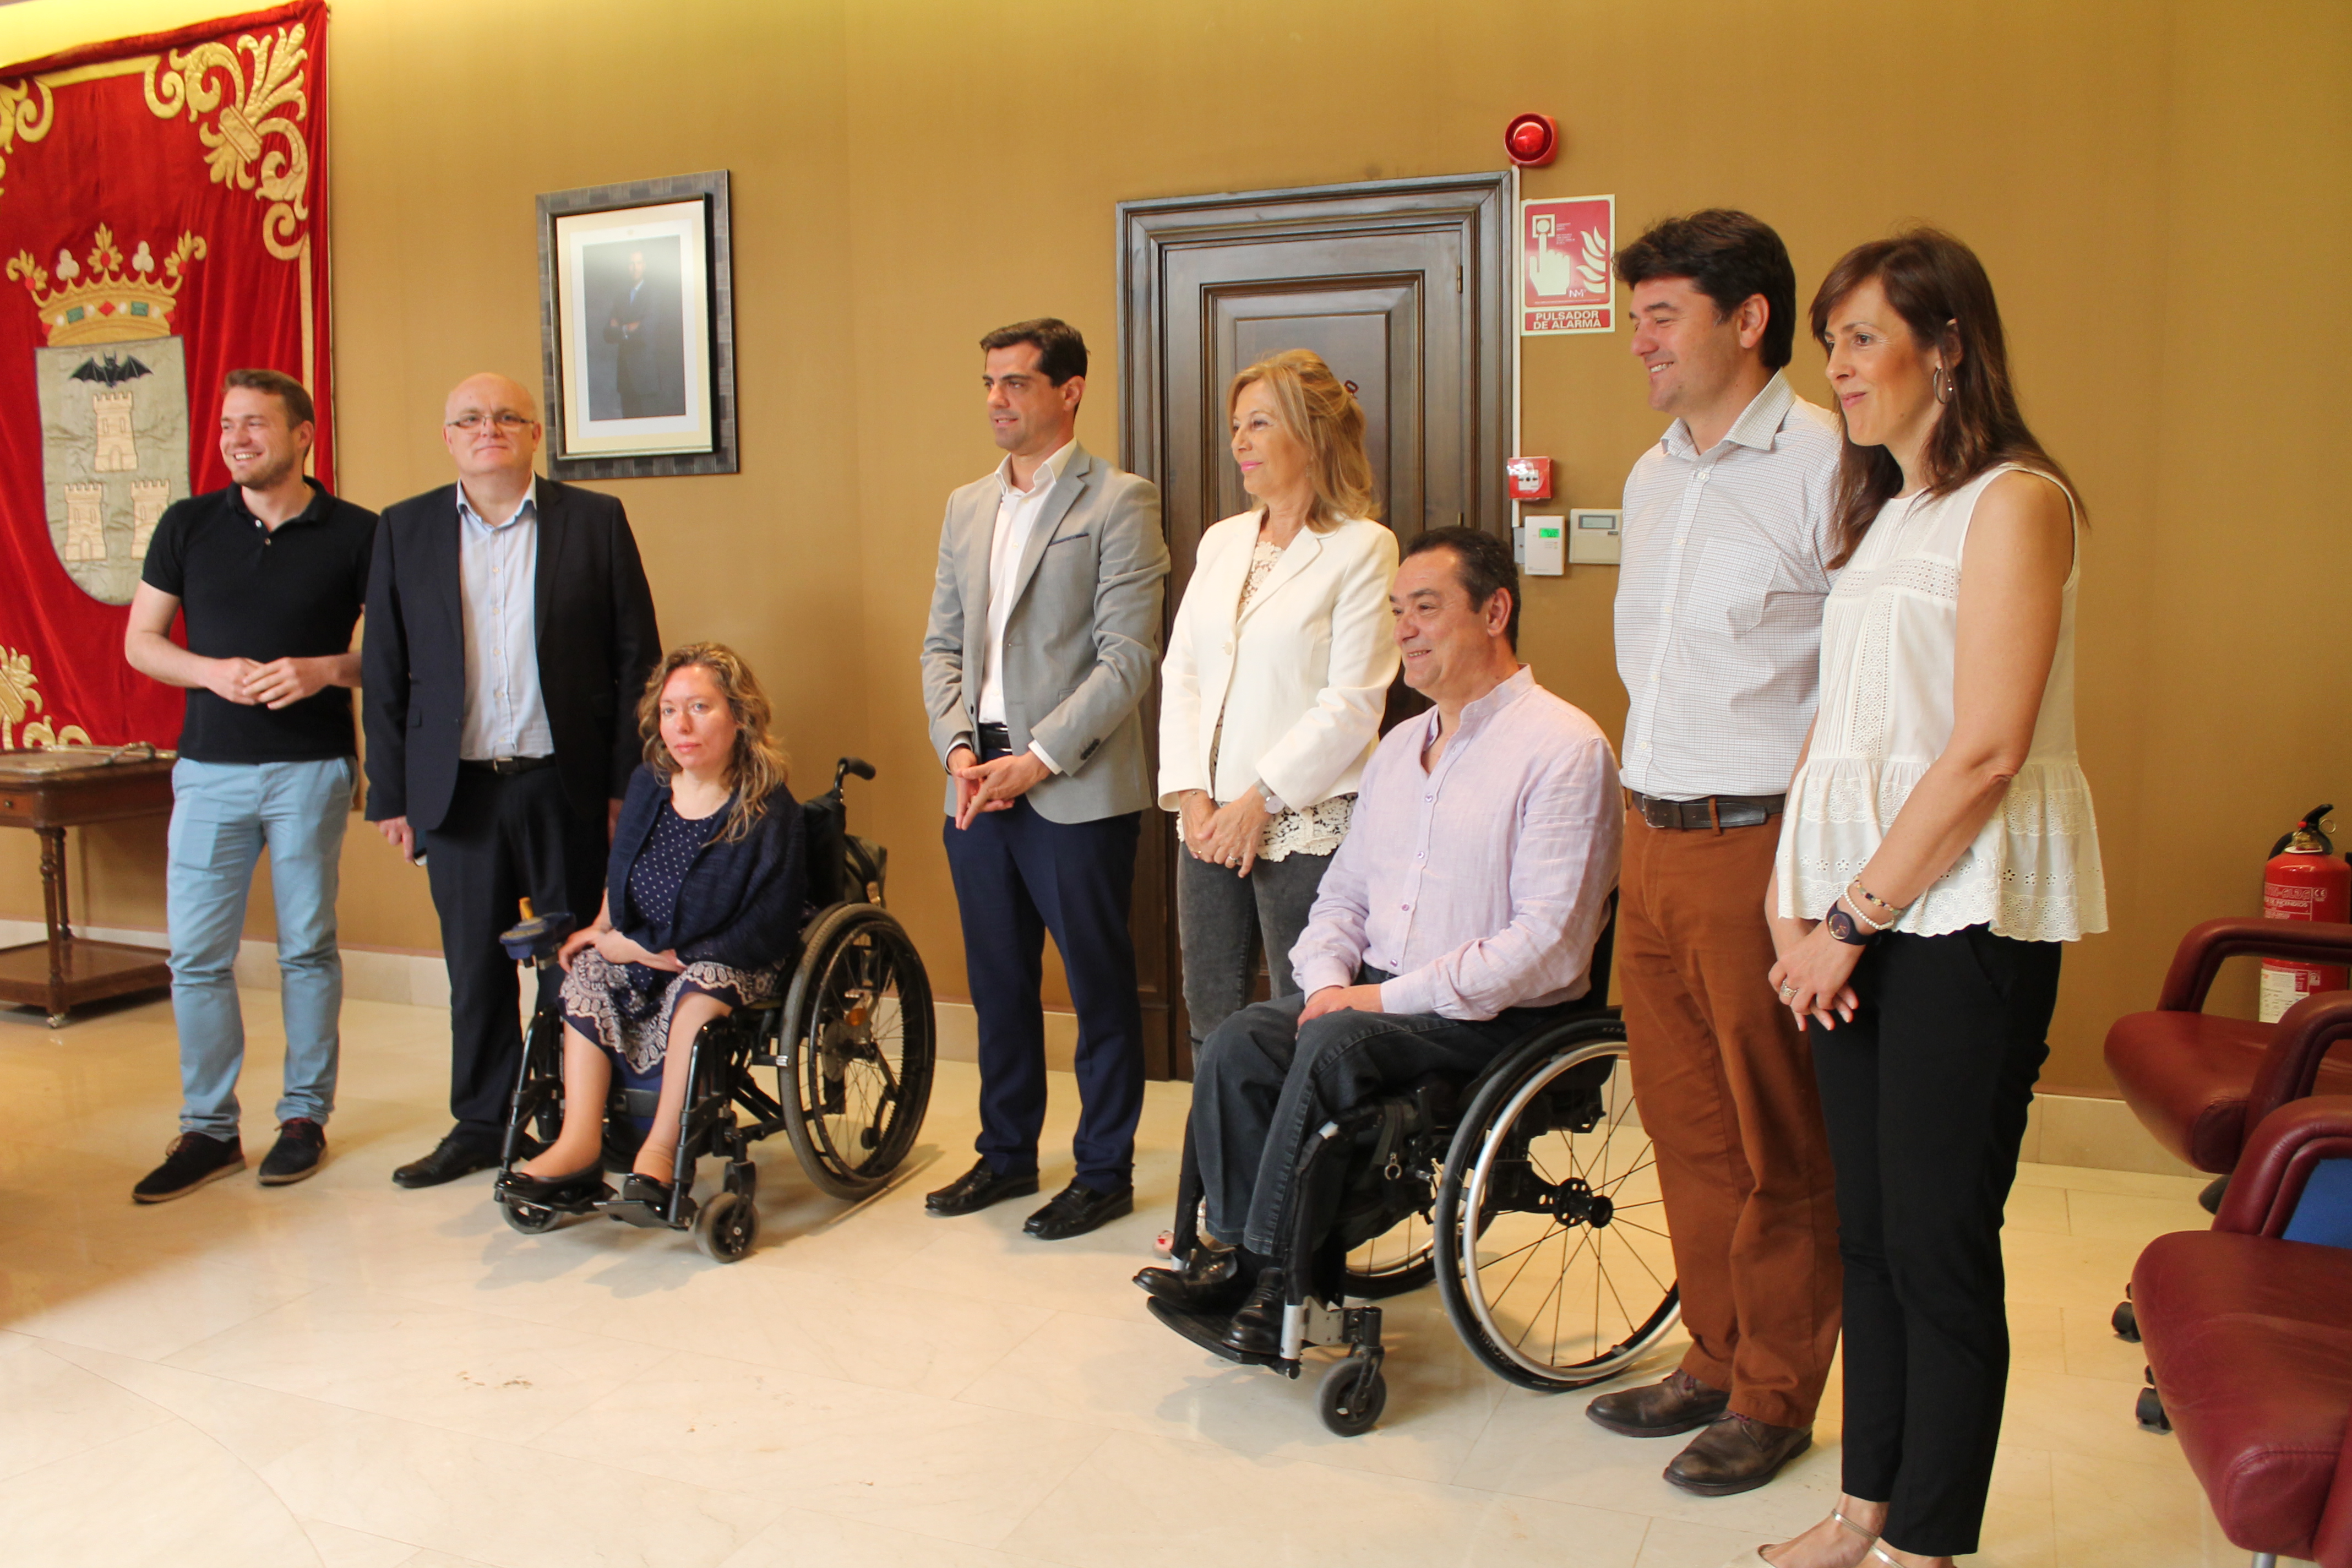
(1719, 600)
(1016, 517)
(498, 574)
(1479, 884)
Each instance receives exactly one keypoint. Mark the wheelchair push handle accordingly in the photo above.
(850, 765)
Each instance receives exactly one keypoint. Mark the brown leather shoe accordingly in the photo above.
(1659, 1409)
(1736, 1454)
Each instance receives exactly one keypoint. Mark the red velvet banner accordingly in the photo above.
(163, 222)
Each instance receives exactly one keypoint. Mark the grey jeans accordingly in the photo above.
(1224, 921)
(1263, 1084)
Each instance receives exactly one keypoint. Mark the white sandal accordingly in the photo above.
(1755, 1556)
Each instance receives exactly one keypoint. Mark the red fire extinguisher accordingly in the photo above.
(2303, 881)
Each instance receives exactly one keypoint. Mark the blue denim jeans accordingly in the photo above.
(223, 815)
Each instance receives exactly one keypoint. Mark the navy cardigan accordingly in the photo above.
(740, 904)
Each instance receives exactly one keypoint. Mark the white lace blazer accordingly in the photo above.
(1888, 637)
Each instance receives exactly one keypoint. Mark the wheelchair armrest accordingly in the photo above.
(2202, 950)
(2286, 1148)
(2306, 1035)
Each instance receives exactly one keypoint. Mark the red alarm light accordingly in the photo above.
(1532, 140)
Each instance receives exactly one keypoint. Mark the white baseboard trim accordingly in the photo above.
(370, 975)
(2090, 1130)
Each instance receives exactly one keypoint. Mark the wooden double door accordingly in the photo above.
(1403, 287)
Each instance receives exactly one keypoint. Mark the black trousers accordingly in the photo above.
(1925, 1094)
(1018, 875)
(505, 840)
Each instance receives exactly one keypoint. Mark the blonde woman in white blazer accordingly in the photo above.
(1277, 675)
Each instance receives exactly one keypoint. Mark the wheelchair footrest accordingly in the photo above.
(1208, 1333)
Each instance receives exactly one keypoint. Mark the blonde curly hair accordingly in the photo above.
(758, 766)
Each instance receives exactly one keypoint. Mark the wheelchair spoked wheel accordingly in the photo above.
(856, 1075)
(1567, 1276)
(1399, 1259)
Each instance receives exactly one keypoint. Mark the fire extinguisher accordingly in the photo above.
(2303, 881)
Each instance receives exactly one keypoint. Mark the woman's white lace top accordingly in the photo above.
(1888, 635)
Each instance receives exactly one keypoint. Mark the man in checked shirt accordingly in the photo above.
(1457, 917)
(1719, 632)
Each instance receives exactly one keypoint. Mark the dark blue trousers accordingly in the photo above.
(1017, 877)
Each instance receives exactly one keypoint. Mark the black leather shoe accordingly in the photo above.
(1659, 1409)
(1210, 1281)
(1256, 1328)
(458, 1154)
(577, 1190)
(643, 1202)
(1078, 1209)
(1736, 1454)
(979, 1187)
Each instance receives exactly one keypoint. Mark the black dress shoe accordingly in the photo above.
(1210, 1281)
(643, 1201)
(458, 1154)
(1256, 1328)
(979, 1187)
(578, 1190)
(1078, 1209)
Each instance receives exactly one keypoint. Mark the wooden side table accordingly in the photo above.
(48, 792)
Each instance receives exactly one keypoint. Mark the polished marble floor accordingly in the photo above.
(341, 1374)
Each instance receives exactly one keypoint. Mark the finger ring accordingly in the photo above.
(1788, 991)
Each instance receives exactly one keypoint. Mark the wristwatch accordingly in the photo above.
(1845, 929)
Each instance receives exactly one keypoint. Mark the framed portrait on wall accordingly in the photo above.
(637, 330)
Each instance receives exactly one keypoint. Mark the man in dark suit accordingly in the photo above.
(634, 375)
(509, 634)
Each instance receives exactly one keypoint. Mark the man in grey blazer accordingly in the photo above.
(1044, 633)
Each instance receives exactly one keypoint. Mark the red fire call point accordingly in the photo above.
(1532, 140)
(1530, 478)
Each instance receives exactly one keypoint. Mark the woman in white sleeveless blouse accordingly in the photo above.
(1937, 848)
(1278, 670)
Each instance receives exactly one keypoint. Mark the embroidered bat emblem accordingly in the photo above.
(113, 371)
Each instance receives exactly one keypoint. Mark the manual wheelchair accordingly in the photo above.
(851, 1042)
(1528, 1192)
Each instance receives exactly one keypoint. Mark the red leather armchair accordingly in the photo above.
(2197, 1083)
(2249, 1344)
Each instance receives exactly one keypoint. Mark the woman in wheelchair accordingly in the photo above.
(705, 890)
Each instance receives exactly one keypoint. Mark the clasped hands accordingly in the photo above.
(1227, 835)
(1813, 977)
(276, 684)
(992, 786)
(615, 949)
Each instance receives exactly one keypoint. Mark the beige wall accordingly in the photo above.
(2158, 190)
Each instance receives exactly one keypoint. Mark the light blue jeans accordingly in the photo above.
(223, 815)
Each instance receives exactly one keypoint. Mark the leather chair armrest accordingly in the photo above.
(2202, 950)
(2303, 1037)
(2280, 1157)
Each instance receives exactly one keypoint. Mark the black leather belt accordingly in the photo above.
(994, 737)
(1713, 812)
(506, 767)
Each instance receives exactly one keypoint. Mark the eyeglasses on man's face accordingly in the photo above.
(505, 419)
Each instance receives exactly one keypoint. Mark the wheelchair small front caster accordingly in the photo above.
(528, 1218)
(1352, 1395)
(727, 1228)
(2149, 1411)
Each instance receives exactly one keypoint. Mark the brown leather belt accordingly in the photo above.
(507, 768)
(1714, 812)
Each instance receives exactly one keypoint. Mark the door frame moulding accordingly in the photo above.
(1478, 205)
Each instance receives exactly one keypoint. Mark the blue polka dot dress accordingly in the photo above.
(626, 1008)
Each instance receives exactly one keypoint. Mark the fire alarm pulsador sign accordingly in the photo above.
(1567, 251)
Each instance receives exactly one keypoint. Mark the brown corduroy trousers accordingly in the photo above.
(1726, 1087)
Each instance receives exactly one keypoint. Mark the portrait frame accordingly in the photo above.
(637, 328)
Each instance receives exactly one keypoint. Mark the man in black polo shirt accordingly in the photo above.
(271, 574)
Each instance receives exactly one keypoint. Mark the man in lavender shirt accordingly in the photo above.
(1458, 916)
